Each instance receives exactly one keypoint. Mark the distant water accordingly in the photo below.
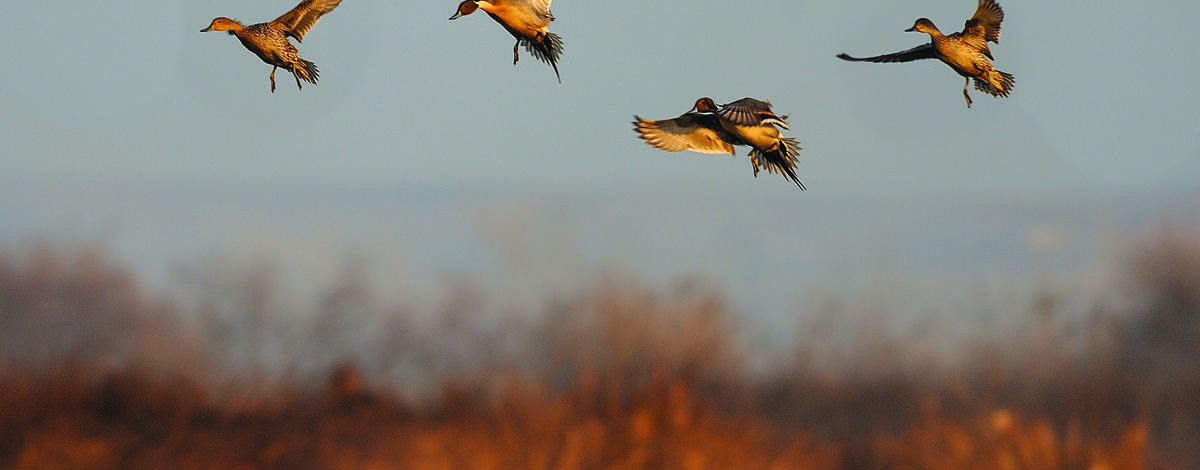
(772, 255)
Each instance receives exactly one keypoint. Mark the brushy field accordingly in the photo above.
(97, 373)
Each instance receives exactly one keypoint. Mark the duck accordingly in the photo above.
(754, 122)
(527, 21)
(712, 129)
(966, 51)
(269, 41)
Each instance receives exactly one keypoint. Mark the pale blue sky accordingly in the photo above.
(1103, 99)
(104, 100)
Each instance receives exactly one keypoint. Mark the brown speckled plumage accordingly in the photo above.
(269, 41)
(966, 51)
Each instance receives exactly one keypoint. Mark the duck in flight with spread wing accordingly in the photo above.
(527, 21)
(269, 41)
(712, 129)
(966, 52)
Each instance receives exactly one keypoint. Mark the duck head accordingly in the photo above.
(923, 25)
(704, 105)
(222, 23)
(465, 8)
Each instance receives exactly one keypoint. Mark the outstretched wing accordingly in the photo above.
(541, 8)
(695, 132)
(751, 112)
(984, 26)
(297, 22)
(924, 51)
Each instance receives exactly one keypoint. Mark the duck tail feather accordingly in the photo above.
(997, 83)
(307, 71)
(782, 159)
(548, 49)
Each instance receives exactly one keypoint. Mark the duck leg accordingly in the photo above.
(965, 95)
(294, 74)
(515, 55)
(273, 78)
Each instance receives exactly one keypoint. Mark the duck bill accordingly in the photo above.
(912, 29)
(456, 15)
(205, 30)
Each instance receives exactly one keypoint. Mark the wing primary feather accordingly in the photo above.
(924, 51)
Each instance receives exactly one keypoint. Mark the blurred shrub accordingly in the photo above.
(96, 373)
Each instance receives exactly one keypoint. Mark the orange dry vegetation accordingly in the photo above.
(618, 377)
(133, 422)
(1005, 441)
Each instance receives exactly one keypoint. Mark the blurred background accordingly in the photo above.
(435, 259)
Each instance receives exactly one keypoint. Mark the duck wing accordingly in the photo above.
(984, 26)
(751, 112)
(540, 8)
(297, 22)
(924, 51)
(692, 131)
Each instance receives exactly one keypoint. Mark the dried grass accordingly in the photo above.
(95, 373)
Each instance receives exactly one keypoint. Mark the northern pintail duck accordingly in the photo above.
(527, 21)
(269, 41)
(966, 52)
(712, 129)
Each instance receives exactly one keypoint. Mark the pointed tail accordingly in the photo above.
(307, 71)
(997, 83)
(548, 49)
(781, 159)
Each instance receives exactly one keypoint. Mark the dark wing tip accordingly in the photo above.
(849, 58)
